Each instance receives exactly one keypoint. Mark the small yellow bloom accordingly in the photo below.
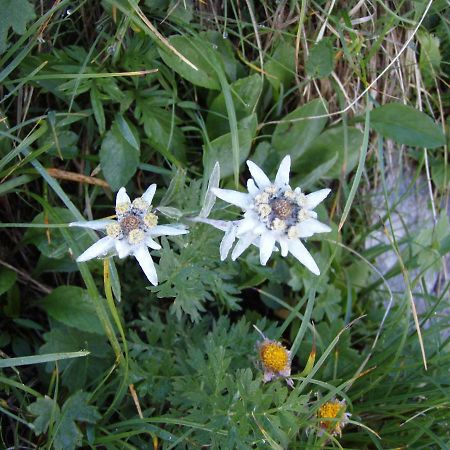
(275, 360)
(274, 356)
(333, 417)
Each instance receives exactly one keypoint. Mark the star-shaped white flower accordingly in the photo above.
(273, 214)
(131, 233)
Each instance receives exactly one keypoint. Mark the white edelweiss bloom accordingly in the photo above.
(273, 214)
(134, 230)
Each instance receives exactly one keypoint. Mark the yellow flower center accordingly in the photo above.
(122, 208)
(140, 203)
(303, 214)
(331, 410)
(151, 220)
(136, 236)
(274, 356)
(293, 233)
(113, 230)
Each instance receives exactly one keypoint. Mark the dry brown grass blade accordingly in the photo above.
(78, 178)
(160, 36)
(136, 400)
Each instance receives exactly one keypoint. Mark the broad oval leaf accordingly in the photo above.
(406, 125)
(219, 150)
(119, 159)
(320, 60)
(293, 138)
(245, 93)
(280, 66)
(330, 146)
(72, 306)
(199, 53)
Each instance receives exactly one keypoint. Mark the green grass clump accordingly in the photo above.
(99, 95)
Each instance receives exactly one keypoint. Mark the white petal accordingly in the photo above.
(245, 225)
(258, 175)
(122, 196)
(219, 224)
(266, 247)
(282, 177)
(251, 187)
(268, 376)
(149, 193)
(243, 244)
(312, 226)
(149, 242)
(210, 198)
(317, 197)
(166, 230)
(236, 198)
(301, 253)
(227, 241)
(123, 248)
(145, 261)
(100, 248)
(92, 224)
(284, 246)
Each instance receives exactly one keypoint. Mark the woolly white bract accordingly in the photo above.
(131, 233)
(273, 214)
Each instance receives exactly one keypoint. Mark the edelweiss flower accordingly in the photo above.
(131, 233)
(333, 417)
(275, 360)
(273, 213)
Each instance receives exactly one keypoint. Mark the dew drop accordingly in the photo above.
(225, 35)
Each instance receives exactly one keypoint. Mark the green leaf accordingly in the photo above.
(51, 242)
(225, 50)
(97, 108)
(39, 359)
(293, 138)
(46, 410)
(162, 127)
(76, 371)
(15, 14)
(280, 67)
(406, 125)
(330, 146)
(200, 53)
(63, 143)
(430, 57)
(245, 93)
(128, 132)
(327, 304)
(320, 60)
(118, 158)
(220, 149)
(7, 279)
(72, 306)
(76, 409)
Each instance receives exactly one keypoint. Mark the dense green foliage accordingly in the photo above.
(95, 95)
